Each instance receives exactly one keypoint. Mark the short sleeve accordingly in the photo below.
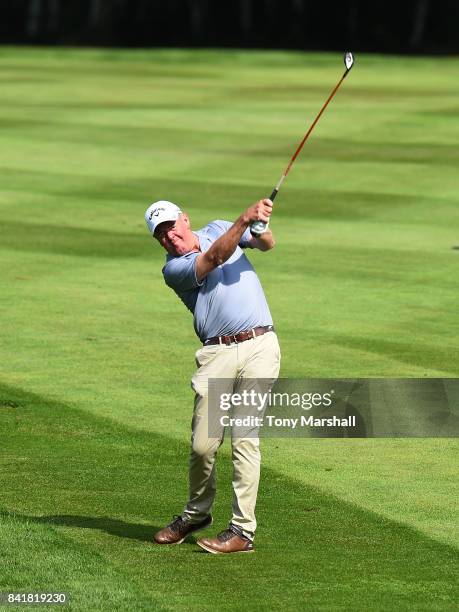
(223, 226)
(180, 272)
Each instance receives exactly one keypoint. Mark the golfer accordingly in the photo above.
(210, 273)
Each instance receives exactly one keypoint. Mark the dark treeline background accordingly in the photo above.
(403, 26)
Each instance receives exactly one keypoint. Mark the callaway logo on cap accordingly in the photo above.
(155, 213)
(161, 211)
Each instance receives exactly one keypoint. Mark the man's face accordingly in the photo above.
(176, 236)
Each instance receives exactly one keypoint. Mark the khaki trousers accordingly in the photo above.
(255, 358)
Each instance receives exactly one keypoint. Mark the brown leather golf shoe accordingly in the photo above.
(227, 541)
(179, 529)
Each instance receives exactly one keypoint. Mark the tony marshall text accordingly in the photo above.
(272, 421)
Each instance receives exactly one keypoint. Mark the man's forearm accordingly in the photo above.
(224, 247)
(264, 242)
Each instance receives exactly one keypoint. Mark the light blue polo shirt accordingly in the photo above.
(230, 299)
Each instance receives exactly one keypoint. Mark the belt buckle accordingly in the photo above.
(235, 339)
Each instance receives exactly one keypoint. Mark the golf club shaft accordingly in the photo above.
(258, 227)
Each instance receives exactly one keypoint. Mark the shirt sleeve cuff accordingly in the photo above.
(199, 284)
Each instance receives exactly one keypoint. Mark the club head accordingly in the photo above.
(348, 60)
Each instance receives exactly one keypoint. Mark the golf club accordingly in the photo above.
(259, 227)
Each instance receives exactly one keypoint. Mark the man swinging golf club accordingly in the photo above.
(210, 273)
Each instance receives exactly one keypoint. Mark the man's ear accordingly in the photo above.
(186, 218)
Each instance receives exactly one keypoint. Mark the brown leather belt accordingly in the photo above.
(241, 336)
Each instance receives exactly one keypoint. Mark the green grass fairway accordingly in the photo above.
(96, 352)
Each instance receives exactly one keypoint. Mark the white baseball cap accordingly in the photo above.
(161, 211)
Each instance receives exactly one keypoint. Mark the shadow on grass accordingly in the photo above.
(115, 527)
